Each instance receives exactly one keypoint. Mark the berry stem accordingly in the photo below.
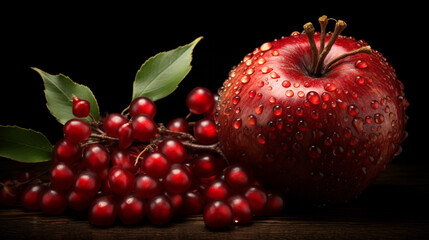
(213, 148)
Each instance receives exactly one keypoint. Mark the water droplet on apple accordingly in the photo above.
(274, 75)
(301, 94)
(330, 87)
(289, 93)
(286, 84)
(251, 120)
(261, 60)
(299, 136)
(360, 80)
(353, 110)
(266, 69)
(252, 94)
(277, 110)
(358, 124)
(237, 123)
(266, 46)
(260, 138)
(378, 118)
(374, 104)
(272, 99)
(299, 112)
(235, 100)
(361, 64)
(259, 109)
(313, 97)
(302, 125)
(245, 79)
(314, 152)
(326, 97)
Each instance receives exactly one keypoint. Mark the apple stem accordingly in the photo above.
(318, 68)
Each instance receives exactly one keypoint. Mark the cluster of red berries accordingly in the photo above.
(126, 166)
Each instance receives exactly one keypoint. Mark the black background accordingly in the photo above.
(103, 46)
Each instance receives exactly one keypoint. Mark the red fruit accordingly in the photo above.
(159, 210)
(123, 159)
(322, 131)
(87, 182)
(31, 197)
(257, 199)
(193, 203)
(80, 107)
(66, 151)
(121, 181)
(155, 164)
(96, 157)
(200, 100)
(240, 207)
(217, 190)
(9, 193)
(173, 149)
(205, 166)
(275, 204)
(79, 201)
(217, 214)
(131, 210)
(205, 131)
(177, 179)
(102, 212)
(146, 187)
(62, 176)
(112, 123)
(77, 130)
(238, 176)
(53, 202)
(178, 125)
(144, 128)
(125, 135)
(142, 105)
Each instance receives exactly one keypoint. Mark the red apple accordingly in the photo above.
(317, 115)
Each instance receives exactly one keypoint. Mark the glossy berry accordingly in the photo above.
(217, 214)
(53, 202)
(200, 100)
(217, 190)
(77, 130)
(176, 200)
(9, 193)
(257, 199)
(80, 107)
(205, 166)
(159, 210)
(205, 131)
(87, 182)
(31, 197)
(103, 211)
(173, 149)
(238, 176)
(193, 203)
(131, 210)
(142, 105)
(275, 204)
(67, 151)
(146, 187)
(79, 201)
(62, 176)
(96, 157)
(123, 159)
(240, 207)
(177, 179)
(155, 164)
(112, 123)
(125, 135)
(121, 181)
(178, 125)
(144, 128)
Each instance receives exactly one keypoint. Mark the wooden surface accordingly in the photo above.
(394, 207)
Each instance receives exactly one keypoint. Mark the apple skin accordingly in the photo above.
(322, 139)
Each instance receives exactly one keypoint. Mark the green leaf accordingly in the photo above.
(59, 90)
(161, 74)
(24, 145)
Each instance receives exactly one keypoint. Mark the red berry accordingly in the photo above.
(9, 193)
(257, 199)
(112, 123)
(205, 131)
(178, 125)
(240, 207)
(173, 149)
(200, 100)
(62, 176)
(176, 200)
(275, 204)
(87, 182)
(123, 159)
(159, 210)
(125, 135)
(31, 197)
(53, 202)
(67, 151)
(121, 181)
(96, 157)
(177, 179)
(102, 212)
(146, 186)
(205, 166)
(217, 190)
(142, 105)
(238, 176)
(144, 128)
(79, 201)
(217, 214)
(131, 210)
(155, 164)
(77, 130)
(193, 203)
(80, 107)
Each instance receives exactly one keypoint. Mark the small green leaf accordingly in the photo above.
(24, 145)
(161, 74)
(59, 90)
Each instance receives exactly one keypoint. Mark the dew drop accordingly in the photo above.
(250, 71)
(251, 120)
(353, 110)
(275, 53)
(361, 64)
(259, 109)
(235, 100)
(301, 94)
(277, 110)
(360, 80)
(245, 79)
(237, 123)
(313, 97)
(330, 87)
(299, 136)
(289, 93)
(374, 104)
(272, 99)
(252, 94)
(314, 152)
(341, 104)
(260, 138)
(302, 125)
(266, 46)
(286, 84)
(299, 112)
(261, 60)
(358, 124)
(274, 75)
(266, 69)
(378, 118)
